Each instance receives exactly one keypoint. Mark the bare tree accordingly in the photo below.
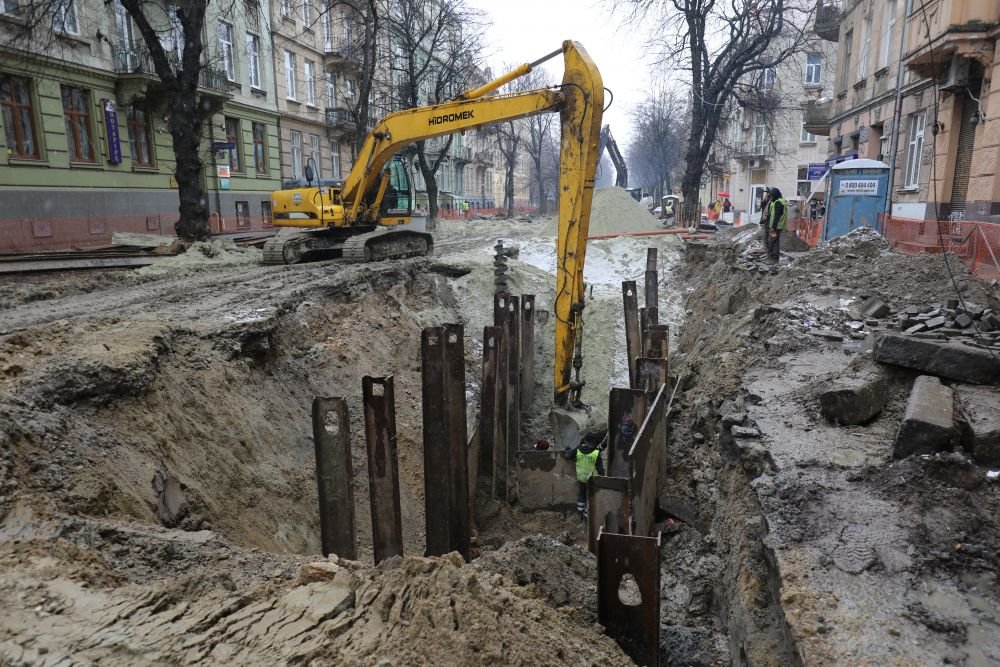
(724, 47)
(172, 47)
(539, 141)
(435, 52)
(656, 151)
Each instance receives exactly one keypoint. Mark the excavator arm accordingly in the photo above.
(608, 142)
(580, 103)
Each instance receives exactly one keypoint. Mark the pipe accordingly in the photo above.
(658, 232)
(897, 112)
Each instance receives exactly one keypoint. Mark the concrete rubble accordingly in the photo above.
(928, 424)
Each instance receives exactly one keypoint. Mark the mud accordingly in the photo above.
(182, 397)
(829, 551)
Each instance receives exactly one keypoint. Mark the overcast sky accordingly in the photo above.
(524, 30)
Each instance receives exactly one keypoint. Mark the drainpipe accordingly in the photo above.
(898, 111)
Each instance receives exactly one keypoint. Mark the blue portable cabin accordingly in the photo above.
(856, 197)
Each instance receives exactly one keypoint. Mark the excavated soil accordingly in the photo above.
(822, 549)
(157, 482)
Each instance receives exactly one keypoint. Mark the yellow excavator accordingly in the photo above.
(366, 218)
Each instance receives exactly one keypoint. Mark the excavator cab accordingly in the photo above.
(397, 202)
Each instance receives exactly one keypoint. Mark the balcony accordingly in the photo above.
(818, 117)
(487, 156)
(134, 61)
(950, 30)
(753, 149)
(463, 153)
(341, 120)
(342, 53)
(827, 24)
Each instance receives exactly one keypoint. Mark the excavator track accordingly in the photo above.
(383, 244)
(285, 248)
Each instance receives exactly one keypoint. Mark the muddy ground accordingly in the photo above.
(807, 545)
(198, 376)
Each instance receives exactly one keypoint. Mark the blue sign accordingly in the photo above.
(816, 170)
(111, 123)
(837, 159)
(218, 146)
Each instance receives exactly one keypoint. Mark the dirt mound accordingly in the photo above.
(566, 575)
(613, 211)
(413, 610)
(863, 241)
(204, 254)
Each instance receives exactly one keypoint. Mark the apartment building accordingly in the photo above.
(775, 150)
(316, 62)
(88, 151)
(912, 89)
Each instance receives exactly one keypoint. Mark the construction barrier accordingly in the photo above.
(976, 243)
(809, 231)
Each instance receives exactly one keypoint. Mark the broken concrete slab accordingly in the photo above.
(979, 410)
(943, 358)
(875, 307)
(928, 425)
(934, 322)
(855, 397)
(963, 321)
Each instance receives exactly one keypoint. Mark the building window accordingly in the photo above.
(814, 69)
(883, 148)
(307, 13)
(10, 7)
(233, 137)
(331, 90)
(866, 46)
(296, 154)
(265, 214)
(76, 113)
(888, 28)
(290, 75)
(286, 8)
(173, 39)
(140, 135)
(803, 186)
(845, 73)
(806, 137)
(226, 50)
(18, 117)
(767, 79)
(914, 149)
(242, 215)
(259, 148)
(314, 154)
(253, 60)
(328, 28)
(335, 160)
(64, 17)
(310, 83)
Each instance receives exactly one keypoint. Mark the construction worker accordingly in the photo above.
(765, 214)
(776, 222)
(588, 460)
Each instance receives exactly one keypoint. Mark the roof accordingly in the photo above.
(860, 163)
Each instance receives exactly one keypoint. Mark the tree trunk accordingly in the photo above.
(432, 199)
(508, 191)
(185, 131)
(543, 204)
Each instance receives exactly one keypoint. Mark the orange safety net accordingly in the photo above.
(975, 243)
(810, 231)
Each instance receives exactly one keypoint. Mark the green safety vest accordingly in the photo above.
(586, 464)
(784, 215)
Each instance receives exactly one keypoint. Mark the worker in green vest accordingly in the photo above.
(776, 222)
(587, 456)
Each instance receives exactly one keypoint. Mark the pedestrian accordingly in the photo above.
(587, 456)
(777, 221)
(727, 206)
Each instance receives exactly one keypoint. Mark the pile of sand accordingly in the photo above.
(204, 254)
(614, 212)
